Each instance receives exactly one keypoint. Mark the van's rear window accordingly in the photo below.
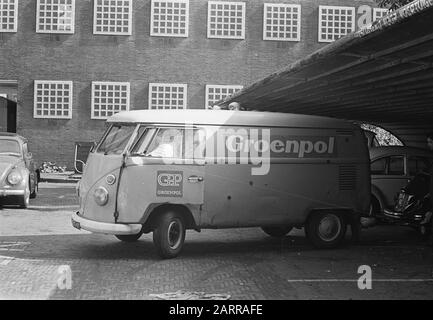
(116, 139)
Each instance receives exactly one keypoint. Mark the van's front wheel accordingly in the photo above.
(169, 234)
(326, 229)
(277, 232)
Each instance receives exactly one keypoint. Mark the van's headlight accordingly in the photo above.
(15, 177)
(101, 196)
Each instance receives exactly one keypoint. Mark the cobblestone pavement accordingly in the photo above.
(244, 263)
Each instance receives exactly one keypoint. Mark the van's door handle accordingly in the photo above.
(195, 179)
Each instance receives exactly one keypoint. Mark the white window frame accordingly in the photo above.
(376, 11)
(4, 95)
(172, 34)
(352, 9)
(282, 5)
(128, 33)
(109, 83)
(38, 25)
(210, 3)
(218, 86)
(70, 96)
(168, 85)
(15, 17)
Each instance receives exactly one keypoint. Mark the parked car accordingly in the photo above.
(18, 172)
(391, 170)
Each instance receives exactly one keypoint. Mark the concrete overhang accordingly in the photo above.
(382, 74)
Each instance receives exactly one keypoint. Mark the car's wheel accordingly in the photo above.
(169, 234)
(24, 200)
(35, 190)
(374, 207)
(129, 237)
(277, 232)
(326, 229)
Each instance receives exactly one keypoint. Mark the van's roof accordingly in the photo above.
(226, 117)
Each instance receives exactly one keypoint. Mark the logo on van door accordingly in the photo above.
(169, 184)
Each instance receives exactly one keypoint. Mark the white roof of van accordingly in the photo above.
(226, 117)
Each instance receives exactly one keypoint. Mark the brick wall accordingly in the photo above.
(83, 57)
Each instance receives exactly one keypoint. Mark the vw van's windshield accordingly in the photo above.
(9, 147)
(116, 139)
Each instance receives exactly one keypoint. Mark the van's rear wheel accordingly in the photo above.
(277, 232)
(129, 237)
(326, 229)
(169, 234)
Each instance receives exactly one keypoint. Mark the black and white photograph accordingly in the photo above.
(216, 155)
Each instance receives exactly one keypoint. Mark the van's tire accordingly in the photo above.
(326, 229)
(169, 234)
(277, 232)
(129, 237)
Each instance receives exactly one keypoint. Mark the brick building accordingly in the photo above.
(65, 65)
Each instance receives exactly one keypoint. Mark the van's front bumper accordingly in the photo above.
(104, 227)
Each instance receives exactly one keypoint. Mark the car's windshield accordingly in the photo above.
(9, 147)
(116, 139)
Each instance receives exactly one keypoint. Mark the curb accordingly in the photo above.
(57, 180)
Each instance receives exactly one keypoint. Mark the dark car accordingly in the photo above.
(391, 170)
(18, 171)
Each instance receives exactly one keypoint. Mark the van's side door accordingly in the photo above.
(158, 174)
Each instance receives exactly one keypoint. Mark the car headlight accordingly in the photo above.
(101, 196)
(15, 177)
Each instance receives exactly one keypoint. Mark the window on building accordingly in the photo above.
(379, 13)
(169, 18)
(112, 17)
(215, 93)
(8, 15)
(109, 98)
(55, 16)
(335, 22)
(226, 20)
(53, 99)
(282, 22)
(167, 96)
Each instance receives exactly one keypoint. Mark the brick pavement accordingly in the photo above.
(244, 263)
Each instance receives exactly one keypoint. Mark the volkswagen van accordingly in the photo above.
(166, 171)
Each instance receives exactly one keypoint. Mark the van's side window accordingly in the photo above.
(195, 142)
(144, 136)
(168, 143)
(177, 143)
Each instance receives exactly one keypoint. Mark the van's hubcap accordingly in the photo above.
(329, 227)
(174, 234)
